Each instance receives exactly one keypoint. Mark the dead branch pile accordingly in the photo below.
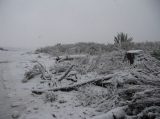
(60, 67)
(137, 88)
(75, 86)
(132, 92)
(138, 91)
(148, 64)
(31, 73)
(37, 69)
(110, 62)
(102, 64)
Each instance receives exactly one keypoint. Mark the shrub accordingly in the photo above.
(89, 95)
(50, 96)
(123, 41)
(156, 54)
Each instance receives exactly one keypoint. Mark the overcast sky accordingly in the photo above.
(35, 23)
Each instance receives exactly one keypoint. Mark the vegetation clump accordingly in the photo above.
(156, 54)
(78, 48)
(3, 49)
(122, 41)
(50, 97)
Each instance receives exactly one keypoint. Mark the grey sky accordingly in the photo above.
(34, 23)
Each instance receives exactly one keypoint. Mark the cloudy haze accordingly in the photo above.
(35, 23)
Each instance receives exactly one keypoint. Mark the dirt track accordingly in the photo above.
(7, 82)
(5, 110)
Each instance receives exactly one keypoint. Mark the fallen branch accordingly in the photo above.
(149, 69)
(75, 86)
(45, 74)
(65, 74)
(144, 79)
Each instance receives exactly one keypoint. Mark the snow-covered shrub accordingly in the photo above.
(50, 96)
(90, 95)
(31, 73)
(122, 41)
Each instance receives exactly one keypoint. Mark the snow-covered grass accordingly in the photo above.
(90, 95)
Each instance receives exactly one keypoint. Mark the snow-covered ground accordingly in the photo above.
(21, 103)
(110, 99)
(13, 95)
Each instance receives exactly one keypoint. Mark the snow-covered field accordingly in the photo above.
(19, 99)
(114, 97)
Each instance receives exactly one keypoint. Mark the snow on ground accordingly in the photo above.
(30, 106)
(88, 101)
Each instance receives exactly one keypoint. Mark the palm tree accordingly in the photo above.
(122, 40)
